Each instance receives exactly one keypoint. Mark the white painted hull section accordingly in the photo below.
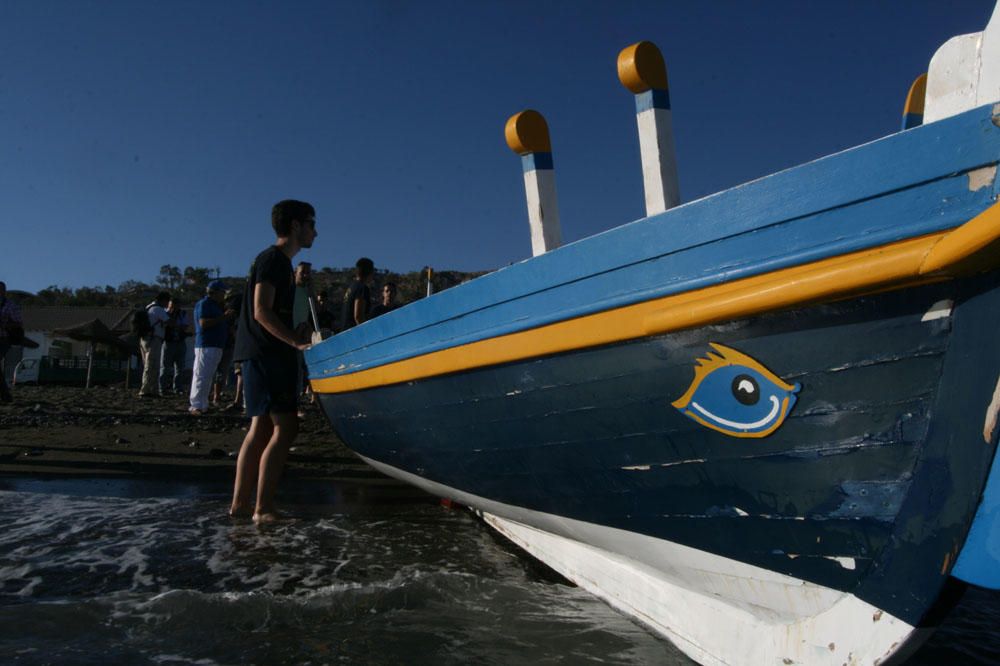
(717, 610)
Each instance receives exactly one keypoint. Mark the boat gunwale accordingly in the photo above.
(354, 351)
(899, 265)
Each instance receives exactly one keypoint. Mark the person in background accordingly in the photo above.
(11, 328)
(388, 303)
(265, 345)
(356, 308)
(237, 402)
(176, 330)
(151, 345)
(324, 313)
(211, 328)
(224, 373)
(302, 318)
(228, 368)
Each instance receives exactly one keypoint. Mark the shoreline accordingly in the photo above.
(106, 431)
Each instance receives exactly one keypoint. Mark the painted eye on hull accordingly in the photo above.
(736, 395)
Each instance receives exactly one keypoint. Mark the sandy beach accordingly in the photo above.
(108, 431)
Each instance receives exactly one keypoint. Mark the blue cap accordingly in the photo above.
(217, 285)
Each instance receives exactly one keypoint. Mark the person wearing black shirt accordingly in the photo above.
(266, 345)
(174, 354)
(326, 321)
(357, 299)
(388, 303)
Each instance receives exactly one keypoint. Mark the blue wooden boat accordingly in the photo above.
(763, 423)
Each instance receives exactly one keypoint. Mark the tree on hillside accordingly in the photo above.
(55, 295)
(169, 277)
(196, 278)
(189, 285)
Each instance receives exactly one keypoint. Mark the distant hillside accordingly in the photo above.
(189, 284)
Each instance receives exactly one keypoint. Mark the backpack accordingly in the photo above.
(140, 325)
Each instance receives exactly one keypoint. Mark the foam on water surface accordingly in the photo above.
(93, 573)
(171, 580)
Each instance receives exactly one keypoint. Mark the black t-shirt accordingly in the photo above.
(325, 318)
(381, 310)
(358, 291)
(252, 341)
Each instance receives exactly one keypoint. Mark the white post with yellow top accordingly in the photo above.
(642, 71)
(527, 135)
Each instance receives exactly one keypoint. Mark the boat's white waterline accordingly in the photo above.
(715, 609)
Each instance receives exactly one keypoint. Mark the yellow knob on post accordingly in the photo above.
(527, 132)
(641, 68)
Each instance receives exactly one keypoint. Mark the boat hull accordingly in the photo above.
(865, 490)
(794, 381)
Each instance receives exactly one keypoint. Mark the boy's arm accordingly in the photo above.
(360, 311)
(264, 314)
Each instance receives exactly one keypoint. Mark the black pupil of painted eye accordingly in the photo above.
(745, 390)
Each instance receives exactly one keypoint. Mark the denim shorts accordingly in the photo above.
(270, 386)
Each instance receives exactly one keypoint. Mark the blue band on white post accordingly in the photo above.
(536, 161)
(652, 99)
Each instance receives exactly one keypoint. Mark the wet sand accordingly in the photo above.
(108, 431)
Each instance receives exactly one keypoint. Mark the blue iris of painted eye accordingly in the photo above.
(736, 395)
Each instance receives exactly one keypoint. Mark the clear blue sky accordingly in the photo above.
(138, 133)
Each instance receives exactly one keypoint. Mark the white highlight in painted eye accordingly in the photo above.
(747, 385)
(775, 406)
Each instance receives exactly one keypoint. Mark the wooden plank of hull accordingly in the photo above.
(868, 488)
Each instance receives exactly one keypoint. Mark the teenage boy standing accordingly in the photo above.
(356, 308)
(266, 345)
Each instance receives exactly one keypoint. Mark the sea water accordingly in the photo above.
(124, 572)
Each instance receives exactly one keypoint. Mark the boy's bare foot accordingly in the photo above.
(266, 517)
(240, 512)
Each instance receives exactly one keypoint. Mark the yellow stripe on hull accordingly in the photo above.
(902, 264)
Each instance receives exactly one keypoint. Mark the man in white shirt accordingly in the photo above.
(152, 345)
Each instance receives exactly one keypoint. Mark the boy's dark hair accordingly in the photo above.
(365, 267)
(163, 297)
(285, 212)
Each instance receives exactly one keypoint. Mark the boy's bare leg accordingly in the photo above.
(272, 462)
(247, 464)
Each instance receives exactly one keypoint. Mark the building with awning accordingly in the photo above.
(60, 357)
